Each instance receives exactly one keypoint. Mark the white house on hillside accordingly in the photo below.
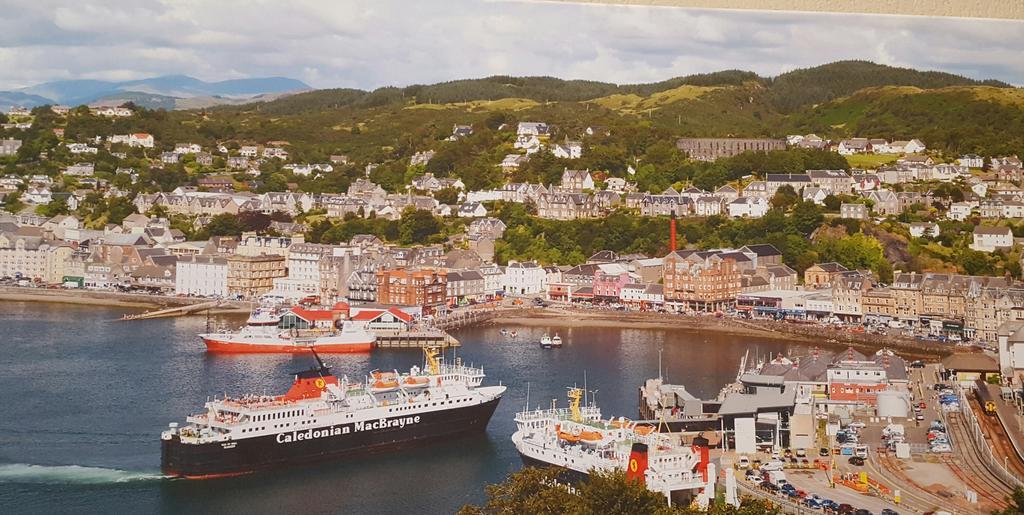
(990, 239)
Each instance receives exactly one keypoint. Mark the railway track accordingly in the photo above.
(911, 493)
(1000, 442)
(970, 466)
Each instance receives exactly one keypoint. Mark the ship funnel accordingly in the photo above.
(637, 463)
(701, 446)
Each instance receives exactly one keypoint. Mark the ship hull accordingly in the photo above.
(564, 474)
(248, 347)
(306, 446)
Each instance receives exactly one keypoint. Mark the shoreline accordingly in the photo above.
(133, 301)
(824, 337)
(558, 316)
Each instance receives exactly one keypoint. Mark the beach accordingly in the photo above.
(824, 336)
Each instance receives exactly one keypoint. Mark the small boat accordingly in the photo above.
(384, 385)
(513, 334)
(545, 341)
(504, 332)
(556, 341)
(416, 382)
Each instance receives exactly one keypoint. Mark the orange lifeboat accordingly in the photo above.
(381, 376)
(591, 436)
(620, 423)
(643, 429)
(416, 382)
(568, 437)
(384, 385)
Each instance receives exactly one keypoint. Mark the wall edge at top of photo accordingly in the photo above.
(993, 9)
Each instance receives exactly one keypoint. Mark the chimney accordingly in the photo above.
(672, 233)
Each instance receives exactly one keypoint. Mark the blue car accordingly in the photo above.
(811, 503)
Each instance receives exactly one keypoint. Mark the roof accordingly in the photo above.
(743, 403)
(368, 315)
(986, 229)
(762, 250)
(312, 314)
(970, 362)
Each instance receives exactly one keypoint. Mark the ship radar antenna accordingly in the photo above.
(527, 406)
(660, 350)
(584, 387)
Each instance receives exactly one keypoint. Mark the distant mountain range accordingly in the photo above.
(168, 92)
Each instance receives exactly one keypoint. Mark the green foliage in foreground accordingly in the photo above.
(535, 491)
(1016, 501)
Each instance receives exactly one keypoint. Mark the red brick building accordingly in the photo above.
(403, 287)
(701, 280)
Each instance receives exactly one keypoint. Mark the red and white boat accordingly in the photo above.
(297, 330)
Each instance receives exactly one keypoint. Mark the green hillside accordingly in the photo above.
(790, 91)
(981, 119)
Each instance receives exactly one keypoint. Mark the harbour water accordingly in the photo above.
(83, 398)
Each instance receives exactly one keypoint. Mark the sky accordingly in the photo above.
(371, 43)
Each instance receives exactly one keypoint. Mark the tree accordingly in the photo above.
(448, 196)
(784, 197)
(807, 217)
(1015, 501)
(224, 225)
(543, 491)
(833, 203)
(55, 207)
(417, 226)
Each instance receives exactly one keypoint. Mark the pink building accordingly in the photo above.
(609, 286)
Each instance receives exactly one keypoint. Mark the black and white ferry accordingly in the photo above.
(323, 418)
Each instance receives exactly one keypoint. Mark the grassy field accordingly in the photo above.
(869, 161)
(635, 104)
(504, 104)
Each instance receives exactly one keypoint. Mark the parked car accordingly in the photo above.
(888, 511)
(824, 452)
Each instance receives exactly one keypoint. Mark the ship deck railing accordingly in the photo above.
(589, 413)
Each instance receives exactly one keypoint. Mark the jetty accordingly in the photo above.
(174, 311)
(414, 339)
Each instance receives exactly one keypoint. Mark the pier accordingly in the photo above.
(414, 339)
(174, 311)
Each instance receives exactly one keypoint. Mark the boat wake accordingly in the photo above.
(69, 474)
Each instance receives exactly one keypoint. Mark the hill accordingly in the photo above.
(982, 119)
(793, 90)
(161, 91)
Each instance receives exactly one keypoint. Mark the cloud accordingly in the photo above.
(350, 43)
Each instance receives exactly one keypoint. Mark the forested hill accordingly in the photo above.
(798, 88)
(785, 93)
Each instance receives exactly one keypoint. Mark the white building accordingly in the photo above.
(748, 207)
(303, 263)
(568, 150)
(990, 239)
(201, 275)
(971, 161)
(141, 139)
(524, 278)
(960, 210)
